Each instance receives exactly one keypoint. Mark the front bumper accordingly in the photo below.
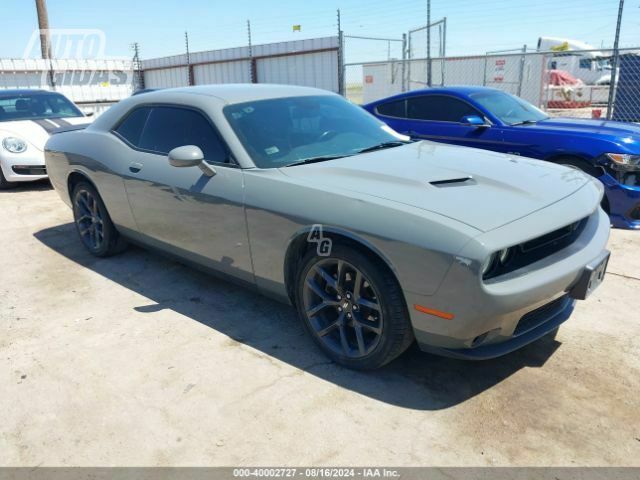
(490, 317)
(624, 202)
(23, 167)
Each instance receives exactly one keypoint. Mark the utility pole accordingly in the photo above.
(43, 25)
(428, 43)
(45, 37)
(614, 66)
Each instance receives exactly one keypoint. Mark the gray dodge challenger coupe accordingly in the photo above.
(376, 241)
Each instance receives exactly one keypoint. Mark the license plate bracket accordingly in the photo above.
(591, 277)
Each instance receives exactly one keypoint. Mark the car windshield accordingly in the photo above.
(284, 131)
(34, 106)
(509, 108)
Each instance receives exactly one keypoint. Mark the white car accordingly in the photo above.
(27, 119)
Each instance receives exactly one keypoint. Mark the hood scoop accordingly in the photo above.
(454, 182)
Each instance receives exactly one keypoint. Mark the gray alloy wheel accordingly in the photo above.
(89, 220)
(353, 308)
(93, 223)
(342, 307)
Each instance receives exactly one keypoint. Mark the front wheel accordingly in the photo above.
(586, 167)
(353, 308)
(93, 223)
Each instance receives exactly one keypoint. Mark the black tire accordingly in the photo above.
(4, 185)
(328, 325)
(93, 223)
(587, 168)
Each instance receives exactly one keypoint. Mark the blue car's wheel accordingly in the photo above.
(586, 167)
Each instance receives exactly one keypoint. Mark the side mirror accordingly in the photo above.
(190, 156)
(474, 121)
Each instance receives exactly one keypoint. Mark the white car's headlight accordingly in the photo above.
(14, 144)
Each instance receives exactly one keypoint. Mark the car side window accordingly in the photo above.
(439, 108)
(393, 109)
(169, 127)
(131, 127)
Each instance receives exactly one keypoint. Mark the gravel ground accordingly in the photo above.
(137, 360)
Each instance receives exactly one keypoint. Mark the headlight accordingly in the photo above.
(14, 144)
(489, 264)
(624, 159)
(495, 262)
(503, 255)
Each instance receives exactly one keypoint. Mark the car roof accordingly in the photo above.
(23, 91)
(240, 92)
(461, 90)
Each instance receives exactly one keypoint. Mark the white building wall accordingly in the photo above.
(82, 81)
(311, 70)
(227, 72)
(283, 62)
(166, 77)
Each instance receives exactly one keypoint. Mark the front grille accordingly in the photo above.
(540, 315)
(551, 238)
(538, 248)
(30, 169)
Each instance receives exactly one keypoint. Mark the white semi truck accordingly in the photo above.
(580, 59)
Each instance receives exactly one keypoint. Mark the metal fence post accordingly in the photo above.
(404, 62)
(341, 67)
(429, 43)
(521, 72)
(443, 39)
(614, 66)
(409, 55)
(189, 66)
(252, 62)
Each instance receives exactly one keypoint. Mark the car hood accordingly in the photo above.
(587, 127)
(500, 188)
(37, 132)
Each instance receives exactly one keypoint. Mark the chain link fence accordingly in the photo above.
(572, 83)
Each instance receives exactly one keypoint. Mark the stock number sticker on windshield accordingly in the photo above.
(271, 150)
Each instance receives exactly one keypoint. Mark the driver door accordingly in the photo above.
(438, 118)
(182, 210)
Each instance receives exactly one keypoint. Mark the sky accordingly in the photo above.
(473, 26)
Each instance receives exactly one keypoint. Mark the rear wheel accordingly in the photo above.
(353, 308)
(93, 223)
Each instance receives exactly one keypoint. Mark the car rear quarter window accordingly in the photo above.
(165, 128)
(131, 127)
(393, 109)
(439, 108)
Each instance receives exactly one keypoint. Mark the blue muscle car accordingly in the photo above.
(494, 120)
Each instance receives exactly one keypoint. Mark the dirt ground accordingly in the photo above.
(136, 360)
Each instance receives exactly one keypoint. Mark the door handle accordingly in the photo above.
(135, 167)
